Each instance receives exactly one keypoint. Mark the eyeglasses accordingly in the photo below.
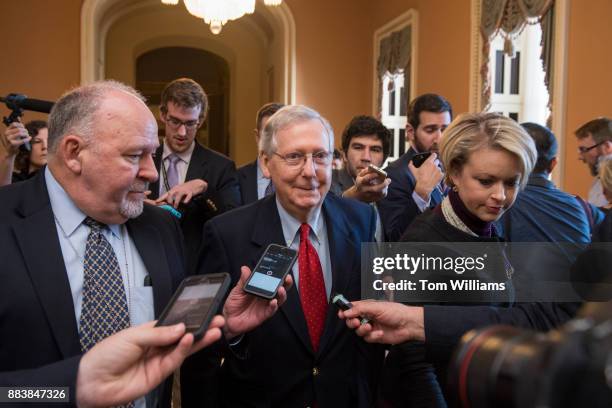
(298, 159)
(177, 123)
(582, 149)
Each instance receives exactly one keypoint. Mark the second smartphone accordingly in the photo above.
(269, 273)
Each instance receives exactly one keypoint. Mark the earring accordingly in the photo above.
(455, 189)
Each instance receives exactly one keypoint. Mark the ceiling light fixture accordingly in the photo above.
(216, 13)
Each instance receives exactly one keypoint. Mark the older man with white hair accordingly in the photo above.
(82, 256)
(302, 356)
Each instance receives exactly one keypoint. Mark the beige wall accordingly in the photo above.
(40, 49)
(333, 53)
(589, 83)
(443, 46)
(334, 59)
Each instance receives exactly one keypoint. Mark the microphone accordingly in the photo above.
(19, 101)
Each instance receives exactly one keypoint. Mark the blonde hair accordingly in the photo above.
(605, 174)
(472, 131)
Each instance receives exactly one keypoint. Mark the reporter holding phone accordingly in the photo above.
(365, 146)
(303, 355)
(488, 158)
(414, 189)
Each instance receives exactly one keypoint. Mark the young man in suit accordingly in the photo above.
(303, 356)
(365, 141)
(413, 190)
(82, 256)
(253, 184)
(198, 181)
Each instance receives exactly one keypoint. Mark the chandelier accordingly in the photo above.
(217, 13)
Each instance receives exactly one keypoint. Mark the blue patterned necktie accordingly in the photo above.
(105, 309)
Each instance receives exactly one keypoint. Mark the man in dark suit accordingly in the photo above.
(365, 141)
(82, 256)
(253, 184)
(198, 181)
(303, 356)
(102, 138)
(413, 189)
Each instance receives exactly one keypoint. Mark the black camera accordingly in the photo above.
(503, 366)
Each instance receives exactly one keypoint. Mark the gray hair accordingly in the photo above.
(286, 117)
(472, 131)
(74, 113)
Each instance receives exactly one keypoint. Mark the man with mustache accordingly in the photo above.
(82, 256)
(595, 145)
(414, 189)
(198, 181)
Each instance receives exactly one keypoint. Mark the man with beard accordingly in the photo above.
(595, 145)
(198, 181)
(82, 256)
(414, 189)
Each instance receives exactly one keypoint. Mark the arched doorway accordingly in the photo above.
(155, 68)
(259, 50)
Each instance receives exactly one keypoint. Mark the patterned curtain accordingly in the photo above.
(394, 54)
(509, 18)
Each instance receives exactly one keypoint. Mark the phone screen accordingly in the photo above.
(192, 305)
(195, 302)
(270, 271)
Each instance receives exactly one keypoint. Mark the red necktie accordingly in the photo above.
(312, 288)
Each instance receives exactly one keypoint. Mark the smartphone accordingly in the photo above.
(419, 158)
(377, 170)
(269, 273)
(195, 302)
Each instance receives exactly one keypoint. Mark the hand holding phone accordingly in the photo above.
(244, 312)
(375, 169)
(195, 302)
(269, 273)
(419, 158)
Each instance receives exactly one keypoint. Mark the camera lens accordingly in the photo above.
(500, 366)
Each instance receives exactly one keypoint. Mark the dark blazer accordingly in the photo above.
(341, 181)
(247, 177)
(398, 209)
(40, 342)
(280, 368)
(222, 194)
(446, 323)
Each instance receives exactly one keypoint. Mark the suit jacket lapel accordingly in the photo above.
(197, 163)
(154, 187)
(45, 265)
(151, 250)
(268, 229)
(341, 245)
